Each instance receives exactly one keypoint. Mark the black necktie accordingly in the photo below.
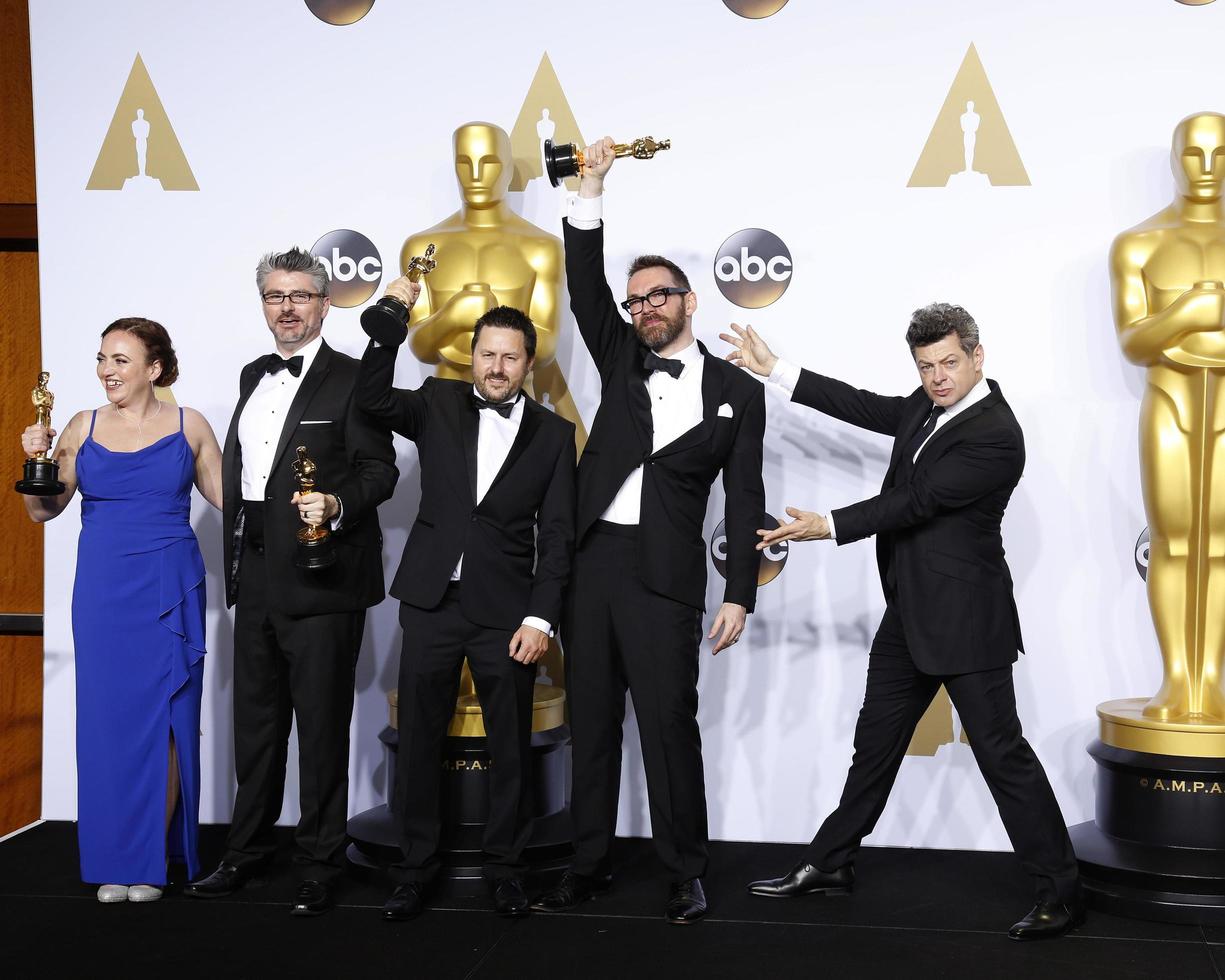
(921, 436)
(653, 362)
(276, 363)
(502, 408)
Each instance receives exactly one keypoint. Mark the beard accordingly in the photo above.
(657, 330)
(496, 396)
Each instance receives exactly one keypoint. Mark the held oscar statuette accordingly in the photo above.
(387, 320)
(566, 160)
(41, 472)
(315, 546)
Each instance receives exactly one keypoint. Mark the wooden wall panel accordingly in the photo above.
(16, 105)
(21, 543)
(21, 731)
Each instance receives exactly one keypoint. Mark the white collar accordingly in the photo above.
(307, 353)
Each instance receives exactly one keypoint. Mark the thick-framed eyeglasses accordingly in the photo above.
(656, 297)
(298, 297)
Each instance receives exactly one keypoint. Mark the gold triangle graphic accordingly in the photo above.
(545, 110)
(140, 118)
(970, 127)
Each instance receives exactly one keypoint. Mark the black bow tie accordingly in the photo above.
(275, 363)
(502, 408)
(653, 362)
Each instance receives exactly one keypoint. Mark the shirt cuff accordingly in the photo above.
(340, 514)
(833, 533)
(786, 375)
(537, 623)
(585, 213)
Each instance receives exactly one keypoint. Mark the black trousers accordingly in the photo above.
(436, 641)
(287, 667)
(896, 697)
(619, 635)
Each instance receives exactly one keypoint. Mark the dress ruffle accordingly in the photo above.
(181, 575)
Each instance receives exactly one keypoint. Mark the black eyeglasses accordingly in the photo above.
(656, 297)
(298, 297)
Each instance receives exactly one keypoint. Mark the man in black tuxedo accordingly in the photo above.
(297, 632)
(950, 617)
(671, 417)
(482, 577)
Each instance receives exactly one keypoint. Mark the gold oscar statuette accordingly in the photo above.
(387, 320)
(566, 160)
(41, 476)
(315, 546)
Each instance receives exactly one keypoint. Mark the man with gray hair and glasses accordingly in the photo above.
(949, 616)
(297, 631)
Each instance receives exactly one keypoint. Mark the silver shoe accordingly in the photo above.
(113, 893)
(144, 893)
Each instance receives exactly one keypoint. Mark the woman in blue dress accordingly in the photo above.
(137, 612)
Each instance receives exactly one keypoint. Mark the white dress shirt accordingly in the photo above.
(495, 436)
(787, 375)
(676, 403)
(263, 420)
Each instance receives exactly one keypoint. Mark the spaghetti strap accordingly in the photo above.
(92, 419)
(180, 418)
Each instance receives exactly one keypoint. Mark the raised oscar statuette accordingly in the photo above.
(387, 320)
(315, 546)
(41, 477)
(566, 160)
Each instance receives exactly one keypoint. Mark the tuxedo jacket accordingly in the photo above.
(676, 479)
(355, 462)
(518, 541)
(937, 521)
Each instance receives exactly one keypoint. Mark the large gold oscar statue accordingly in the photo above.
(489, 256)
(1169, 306)
(1156, 846)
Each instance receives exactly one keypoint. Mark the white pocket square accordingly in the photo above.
(725, 411)
(315, 422)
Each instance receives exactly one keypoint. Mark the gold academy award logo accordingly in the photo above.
(140, 151)
(970, 145)
(545, 114)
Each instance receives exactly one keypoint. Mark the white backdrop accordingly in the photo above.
(808, 124)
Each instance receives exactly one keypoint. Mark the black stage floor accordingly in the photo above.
(914, 914)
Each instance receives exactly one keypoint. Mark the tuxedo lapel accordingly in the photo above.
(297, 408)
(639, 399)
(247, 382)
(904, 436)
(527, 429)
(469, 420)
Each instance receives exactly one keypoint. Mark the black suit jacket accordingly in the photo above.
(937, 522)
(676, 480)
(526, 517)
(355, 461)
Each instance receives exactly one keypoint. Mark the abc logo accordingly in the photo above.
(353, 263)
(753, 268)
(339, 13)
(1142, 544)
(772, 559)
(757, 9)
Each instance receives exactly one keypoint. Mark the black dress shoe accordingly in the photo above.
(573, 890)
(227, 879)
(1047, 920)
(686, 904)
(509, 897)
(406, 902)
(313, 898)
(804, 879)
